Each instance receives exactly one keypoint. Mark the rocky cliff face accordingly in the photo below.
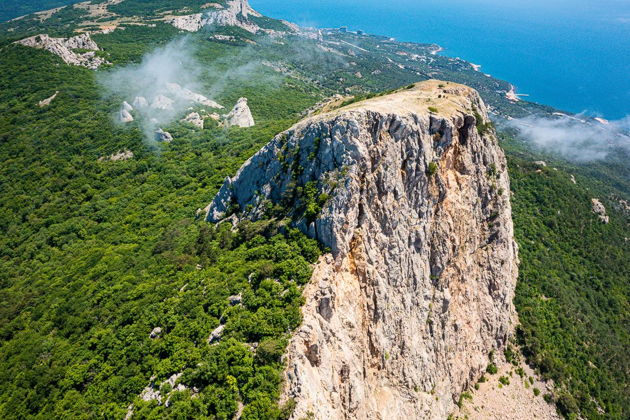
(66, 49)
(234, 13)
(413, 201)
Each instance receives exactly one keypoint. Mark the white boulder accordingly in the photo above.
(125, 116)
(194, 119)
(240, 116)
(163, 136)
(155, 333)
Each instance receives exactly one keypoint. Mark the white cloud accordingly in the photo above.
(574, 138)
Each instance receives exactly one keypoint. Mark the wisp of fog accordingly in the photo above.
(159, 89)
(574, 138)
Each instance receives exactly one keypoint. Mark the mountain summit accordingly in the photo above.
(409, 191)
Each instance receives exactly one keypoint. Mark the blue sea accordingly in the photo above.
(570, 54)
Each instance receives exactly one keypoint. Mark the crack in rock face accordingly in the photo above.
(413, 201)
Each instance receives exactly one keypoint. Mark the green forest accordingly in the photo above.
(111, 282)
(573, 296)
(96, 254)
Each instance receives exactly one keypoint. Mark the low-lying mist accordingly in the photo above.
(159, 89)
(170, 80)
(574, 138)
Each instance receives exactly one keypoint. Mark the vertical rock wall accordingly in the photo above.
(400, 317)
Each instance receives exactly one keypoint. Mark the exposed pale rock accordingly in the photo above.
(190, 23)
(162, 102)
(622, 205)
(187, 94)
(195, 119)
(234, 13)
(82, 41)
(125, 116)
(140, 102)
(152, 392)
(124, 155)
(400, 318)
(63, 47)
(215, 335)
(541, 163)
(115, 157)
(125, 105)
(47, 101)
(156, 332)
(223, 38)
(235, 299)
(240, 116)
(163, 136)
(573, 179)
(600, 210)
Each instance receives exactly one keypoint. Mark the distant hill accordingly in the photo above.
(10, 9)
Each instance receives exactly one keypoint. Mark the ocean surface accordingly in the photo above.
(570, 54)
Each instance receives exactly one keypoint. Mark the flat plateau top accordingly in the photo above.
(431, 96)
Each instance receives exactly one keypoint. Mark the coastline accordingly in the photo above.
(437, 51)
(511, 94)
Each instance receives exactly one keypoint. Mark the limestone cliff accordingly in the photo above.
(233, 13)
(66, 49)
(410, 191)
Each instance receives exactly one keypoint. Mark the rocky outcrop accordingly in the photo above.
(119, 156)
(66, 49)
(140, 102)
(190, 23)
(240, 115)
(124, 115)
(514, 399)
(600, 211)
(216, 334)
(162, 392)
(47, 101)
(235, 13)
(188, 95)
(195, 119)
(402, 315)
(162, 102)
(163, 136)
(155, 333)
